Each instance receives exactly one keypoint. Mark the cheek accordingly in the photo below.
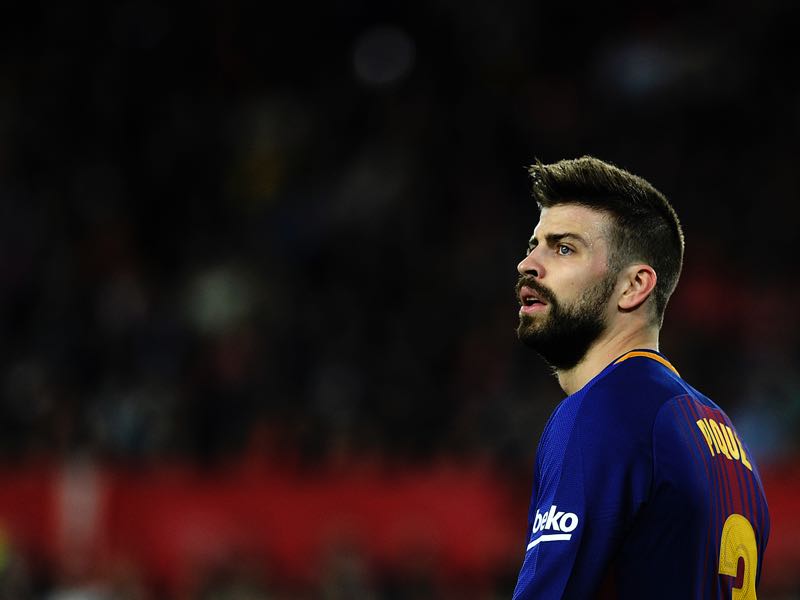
(577, 289)
(571, 282)
(598, 274)
(574, 287)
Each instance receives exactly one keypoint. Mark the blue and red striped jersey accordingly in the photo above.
(643, 488)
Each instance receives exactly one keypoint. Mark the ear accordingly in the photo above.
(638, 282)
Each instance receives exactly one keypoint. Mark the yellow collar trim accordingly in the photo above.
(646, 354)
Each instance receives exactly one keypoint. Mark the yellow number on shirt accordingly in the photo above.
(739, 541)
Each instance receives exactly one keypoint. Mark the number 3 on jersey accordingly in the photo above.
(739, 541)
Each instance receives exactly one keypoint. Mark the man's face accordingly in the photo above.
(565, 284)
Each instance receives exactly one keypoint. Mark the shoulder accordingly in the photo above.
(640, 375)
(616, 412)
(620, 408)
(636, 387)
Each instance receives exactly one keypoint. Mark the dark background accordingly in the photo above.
(292, 229)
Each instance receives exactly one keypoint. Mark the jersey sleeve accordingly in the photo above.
(590, 482)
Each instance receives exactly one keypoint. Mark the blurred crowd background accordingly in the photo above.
(287, 233)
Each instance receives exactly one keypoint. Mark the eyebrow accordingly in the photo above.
(554, 238)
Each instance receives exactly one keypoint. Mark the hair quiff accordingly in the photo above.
(646, 227)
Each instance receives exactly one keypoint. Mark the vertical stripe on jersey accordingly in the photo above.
(721, 492)
(691, 424)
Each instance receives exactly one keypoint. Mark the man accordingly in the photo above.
(642, 487)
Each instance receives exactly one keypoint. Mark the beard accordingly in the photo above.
(563, 335)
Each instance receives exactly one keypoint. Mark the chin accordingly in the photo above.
(529, 327)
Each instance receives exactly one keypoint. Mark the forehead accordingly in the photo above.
(590, 224)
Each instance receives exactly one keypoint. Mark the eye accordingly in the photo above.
(563, 250)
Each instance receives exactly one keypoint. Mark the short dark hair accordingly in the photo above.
(646, 227)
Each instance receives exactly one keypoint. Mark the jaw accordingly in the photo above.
(531, 322)
(562, 337)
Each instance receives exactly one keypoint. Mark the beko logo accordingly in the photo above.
(553, 520)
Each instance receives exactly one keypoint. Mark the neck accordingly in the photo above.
(602, 352)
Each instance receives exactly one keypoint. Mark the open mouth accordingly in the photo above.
(529, 300)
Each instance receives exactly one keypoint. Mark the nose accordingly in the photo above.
(530, 265)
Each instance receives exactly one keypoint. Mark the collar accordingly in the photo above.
(652, 354)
